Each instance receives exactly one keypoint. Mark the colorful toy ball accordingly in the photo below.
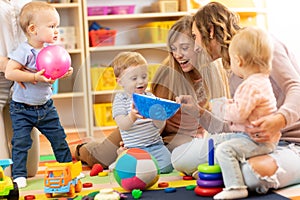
(55, 60)
(136, 169)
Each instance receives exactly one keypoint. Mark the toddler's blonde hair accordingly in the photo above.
(127, 59)
(254, 45)
(28, 14)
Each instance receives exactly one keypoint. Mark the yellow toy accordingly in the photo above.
(8, 189)
(62, 178)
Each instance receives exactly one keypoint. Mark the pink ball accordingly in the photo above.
(55, 60)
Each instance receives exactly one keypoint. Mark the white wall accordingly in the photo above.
(284, 22)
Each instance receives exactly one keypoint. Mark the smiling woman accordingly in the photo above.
(215, 37)
(187, 72)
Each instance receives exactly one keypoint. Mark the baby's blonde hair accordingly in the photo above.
(254, 46)
(127, 59)
(29, 11)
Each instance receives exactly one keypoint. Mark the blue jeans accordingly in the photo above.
(163, 156)
(45, 118)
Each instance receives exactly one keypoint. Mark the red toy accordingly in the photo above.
(55, 60)
(163, 184)
(87, 185)
(29, 197)
(96, 169)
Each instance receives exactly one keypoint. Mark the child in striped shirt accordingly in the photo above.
(131, 72)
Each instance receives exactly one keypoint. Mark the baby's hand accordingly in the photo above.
(39, 77)
(121, 148)
(134, 114)
(69, 73)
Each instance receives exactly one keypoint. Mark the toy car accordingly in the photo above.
(8, 188)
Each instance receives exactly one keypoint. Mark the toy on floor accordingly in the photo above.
(136, 193)
(163, 184)
(136, 169)
(106, 194)
(210, 181)
(87, 185)
(96, 169)
(170, 190)
(101, 174)
(187, 178)
(154, 107)
(29, 197)
(55, 60)
(62, 178)
(8, 189)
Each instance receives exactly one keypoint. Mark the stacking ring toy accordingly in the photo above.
(208, 192)
(190, 187)
(210, 183)
(87, 185)
(187, 178)
(210, 169)
(29, 197)
(163, 184)
(170, 190)
(205, 176)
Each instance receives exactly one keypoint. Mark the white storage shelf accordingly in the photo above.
(71, 100)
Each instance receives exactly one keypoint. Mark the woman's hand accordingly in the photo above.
(266, 127)
(189, 105)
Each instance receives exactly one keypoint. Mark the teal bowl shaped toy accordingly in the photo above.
(154, 107)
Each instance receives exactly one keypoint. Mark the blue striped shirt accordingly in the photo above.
(143, 132)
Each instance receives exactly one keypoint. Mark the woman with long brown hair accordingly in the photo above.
(213, 28)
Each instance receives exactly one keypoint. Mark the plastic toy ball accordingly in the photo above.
(55, 60)
(154, 107)
(136, 169)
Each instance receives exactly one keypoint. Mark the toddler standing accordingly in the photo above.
(31, 104)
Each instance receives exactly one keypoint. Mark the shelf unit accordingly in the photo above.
(127, 40)
(71, 100)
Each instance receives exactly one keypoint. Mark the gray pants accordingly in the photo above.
(187, 157)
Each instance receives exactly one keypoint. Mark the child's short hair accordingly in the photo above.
(29, 10)
(127, 59)
(254, 45)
